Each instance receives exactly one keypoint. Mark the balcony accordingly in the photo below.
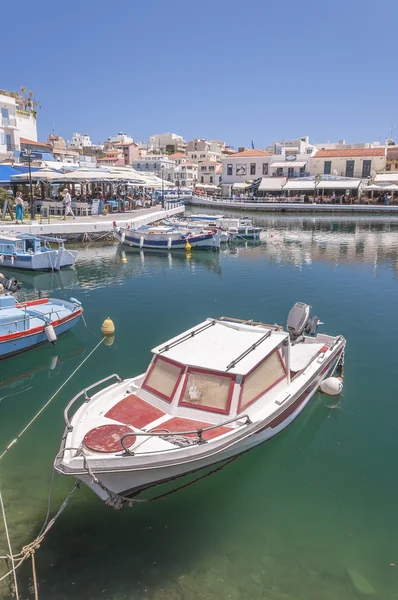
(8, 122)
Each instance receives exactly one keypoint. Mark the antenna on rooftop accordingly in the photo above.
(391, 130)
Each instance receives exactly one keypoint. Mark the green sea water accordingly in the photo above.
(311, 515)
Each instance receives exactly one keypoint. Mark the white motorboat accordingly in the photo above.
(34, 253)
(208, 395)
(232, 228)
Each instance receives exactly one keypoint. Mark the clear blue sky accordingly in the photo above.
(238, 71)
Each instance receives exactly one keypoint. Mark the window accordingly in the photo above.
(211, 168)
(211, 179)
(163, 378)
(261, 379)
(207, 391)
(137, 165)
(203, 168)
(229, 169)
(279, 171)
(290, 171)
(202, 179)
(327, 167)
(265, 168)
(252, 168)
(309, 150)
(366, 168)
(154, 166)
(302, 170)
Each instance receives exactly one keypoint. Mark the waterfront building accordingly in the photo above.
(207, 172)
(167, 143)
(112, 157)
(186, 174)
(199, 150)
(120, 138)
(392, 159)
(16, 120)
(80, 141)
(342, 145)
(354, 162)
(158, 164)
(240, 168)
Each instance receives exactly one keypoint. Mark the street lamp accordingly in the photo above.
(162, 169)
(28, 154)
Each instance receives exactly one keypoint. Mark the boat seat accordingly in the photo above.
(106, 438)
(134, 411)
(177, 424)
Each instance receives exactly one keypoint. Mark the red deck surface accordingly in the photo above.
(134, 411)
(106, 438)
(176, 424)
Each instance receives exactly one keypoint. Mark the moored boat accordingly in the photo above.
(208, 395)
(169, 238)
(24, 325)
(233, 228)
(33, 252)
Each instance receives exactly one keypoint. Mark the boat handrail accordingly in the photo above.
(86, 397)
(165, 433)
(251, 322)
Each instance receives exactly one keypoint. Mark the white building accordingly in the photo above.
(342, 145)
(167, 142)
(186, 174)
(209, 172)
(355, 162)
(244, 166)
(120, 138)
(158, 164)
(199, 150)
(178, 158)
(80, 141)
(15, 123)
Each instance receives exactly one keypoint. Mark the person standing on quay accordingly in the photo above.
(68, 204)
(19, 208)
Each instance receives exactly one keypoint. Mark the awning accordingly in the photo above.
(385, 177)
(240, 186)
(340, 184)
(287, 163)
(300, 184)
(6, 173)
(271, 184)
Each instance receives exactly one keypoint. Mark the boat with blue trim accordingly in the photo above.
(25, 325)
(169, 238)
(34, 252)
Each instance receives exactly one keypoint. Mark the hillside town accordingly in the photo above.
(208, 167)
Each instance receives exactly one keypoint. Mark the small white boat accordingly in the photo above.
(209, 394)
(169, 238)
(233, 228)
(34, 252)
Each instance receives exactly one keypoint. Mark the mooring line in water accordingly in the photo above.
(13, 570)
(14, 441)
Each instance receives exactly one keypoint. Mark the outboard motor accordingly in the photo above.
(10, 285)
(299, 322)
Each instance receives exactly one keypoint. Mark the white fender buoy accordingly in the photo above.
(2, 259)
(123, 237)
(141, 241)
(12, 260)
(332, 386)
(169, 243)
(50, 333)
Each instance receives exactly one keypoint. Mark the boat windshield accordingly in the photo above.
(163, 378)
(262, 378)
(208, 391)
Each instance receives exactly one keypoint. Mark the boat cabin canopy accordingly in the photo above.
(217, 366)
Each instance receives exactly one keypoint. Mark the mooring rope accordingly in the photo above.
(13, 570)
(14, 441)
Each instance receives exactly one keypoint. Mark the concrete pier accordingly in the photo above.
(294, 207)
(91, 228)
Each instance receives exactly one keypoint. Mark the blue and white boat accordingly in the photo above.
(34, 252)
(169, 238)
(24, 325)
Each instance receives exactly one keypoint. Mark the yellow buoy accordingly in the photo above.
(187, 245)
(108, 327)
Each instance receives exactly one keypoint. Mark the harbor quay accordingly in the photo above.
(93, 228)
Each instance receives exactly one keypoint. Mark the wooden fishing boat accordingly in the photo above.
(169, 238)
(208, 395)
